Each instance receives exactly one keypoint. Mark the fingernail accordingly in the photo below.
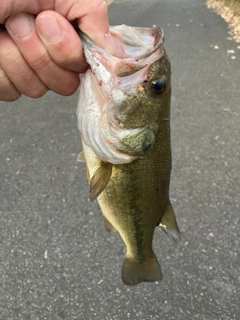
(20, 25)
(49, 28)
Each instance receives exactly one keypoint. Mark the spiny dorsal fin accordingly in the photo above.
(169, 225)
(100, 179)
(81, 157)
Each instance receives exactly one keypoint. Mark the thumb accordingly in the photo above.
(61, 41)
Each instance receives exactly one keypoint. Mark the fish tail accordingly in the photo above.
(134, 271)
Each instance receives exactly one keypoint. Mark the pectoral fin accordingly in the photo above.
(100, 179)
(169, 225)
(81, 157)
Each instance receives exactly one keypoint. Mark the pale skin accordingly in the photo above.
(41, 51)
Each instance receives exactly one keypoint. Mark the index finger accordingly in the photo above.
(92, 17)
(95, 23)
(11, 7)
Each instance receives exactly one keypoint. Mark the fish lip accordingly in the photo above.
(157, 33)
(123, 66)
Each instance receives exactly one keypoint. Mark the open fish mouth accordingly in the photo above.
(152, 37)
(110, 84)
(133, 48)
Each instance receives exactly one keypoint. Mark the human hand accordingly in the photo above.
(40, 50)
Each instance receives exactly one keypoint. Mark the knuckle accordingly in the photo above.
(32, 86)
(12, 97)
(64, 82)
(37, 93)
(39, 62)
(68, 56)
(8, 92)
(67, 53)
(2, 75)
(70, 87)
(17, 75)
(102, 5)
(24, 79)
(9, 95)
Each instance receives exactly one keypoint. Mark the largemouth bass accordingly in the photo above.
(124, 120)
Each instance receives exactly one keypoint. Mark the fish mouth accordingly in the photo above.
(139, 38)
(136, 48)
(129, 65)
(110, 80)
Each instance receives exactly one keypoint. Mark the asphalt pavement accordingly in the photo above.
(56, 259)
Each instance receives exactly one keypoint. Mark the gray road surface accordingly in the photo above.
(56, 260)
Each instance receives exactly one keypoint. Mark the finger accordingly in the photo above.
(95, 22)
(61, 41)
(13, 7)
(22, 30)
(7, 90)
(92, 17)
(21, 77)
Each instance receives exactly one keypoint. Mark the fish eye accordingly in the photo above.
(158, 85)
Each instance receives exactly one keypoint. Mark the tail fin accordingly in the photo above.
(134, 272)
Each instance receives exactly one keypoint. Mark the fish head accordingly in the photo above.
(125, 98)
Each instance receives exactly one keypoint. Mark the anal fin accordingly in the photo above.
(169, 225)
(100, 179)
(108, 226)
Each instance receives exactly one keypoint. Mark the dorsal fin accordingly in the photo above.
(100, 179)
(169, 225)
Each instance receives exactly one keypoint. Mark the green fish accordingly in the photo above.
(124, 119)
